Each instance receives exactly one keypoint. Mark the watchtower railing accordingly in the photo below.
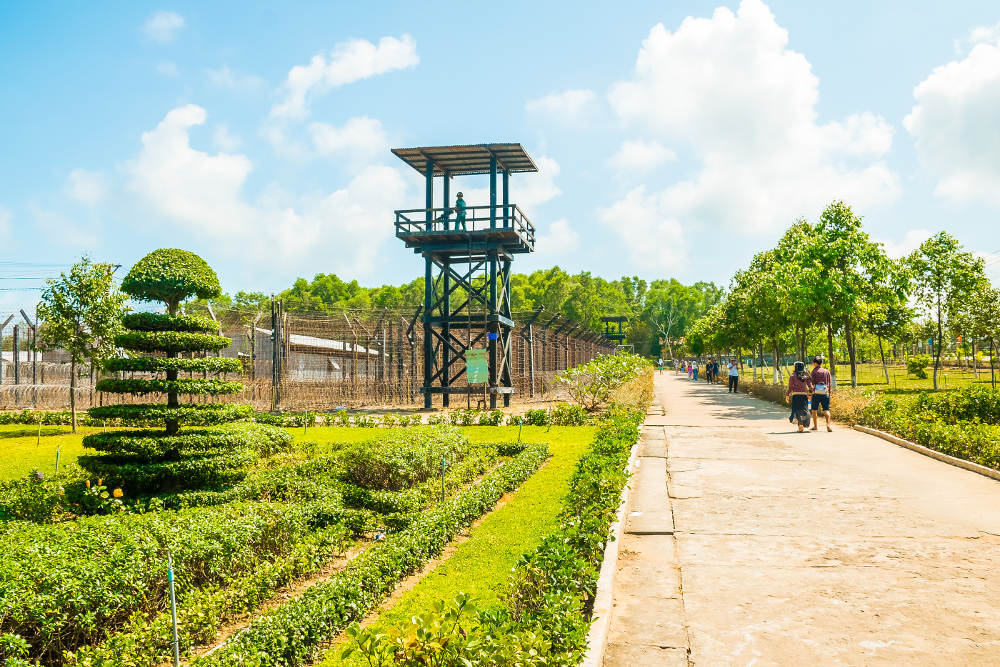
(477, 219)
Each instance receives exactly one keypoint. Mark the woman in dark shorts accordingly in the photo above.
(800, 388)
(822, 388)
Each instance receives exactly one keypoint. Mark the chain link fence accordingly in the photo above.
(315, 361)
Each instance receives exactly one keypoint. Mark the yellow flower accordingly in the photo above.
(117, 493)
(88, 483)
(99, 482)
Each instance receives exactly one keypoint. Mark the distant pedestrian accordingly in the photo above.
(694, 370)
(659, 363)
(823, 389)
(800, 388)
(734, 376)
(715, 371)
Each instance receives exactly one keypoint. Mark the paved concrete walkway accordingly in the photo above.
(748, 543)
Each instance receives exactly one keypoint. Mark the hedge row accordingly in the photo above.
(66, 585)
(294, 632)
(184, 386)
(144, 642)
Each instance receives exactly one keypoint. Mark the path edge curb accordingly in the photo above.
(933, 453)
(597, 637)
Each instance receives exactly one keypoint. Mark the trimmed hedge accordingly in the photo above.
(195, 414)
(171, 341)
(161, 322)
(293, 633)
(160, 364)
(184, 386)
(151, 445)
(171, 275)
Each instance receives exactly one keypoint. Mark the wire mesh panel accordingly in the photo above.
(322, 361)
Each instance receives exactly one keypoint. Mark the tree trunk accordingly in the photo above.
(885, 368)
(72, 391)
(975, 362)
(774, 352)
(172, 424)
(937, 348)
(829, 351)
(849, 336)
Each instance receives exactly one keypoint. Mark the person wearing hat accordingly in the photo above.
(459, 211)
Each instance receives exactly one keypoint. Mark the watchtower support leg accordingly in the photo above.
(429, 191)
(446, 328)
(507, 222)
(493, 192)
(428, 335)
(447, 202)
(494, 327)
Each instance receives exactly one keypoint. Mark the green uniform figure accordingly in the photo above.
(460, 212)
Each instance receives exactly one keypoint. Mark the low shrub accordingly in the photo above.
(917, 365)
(591, 385)
(537, 417)
(567, 414)
(396, 461)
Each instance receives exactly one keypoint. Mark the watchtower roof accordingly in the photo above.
(468, 159)
(614, 318)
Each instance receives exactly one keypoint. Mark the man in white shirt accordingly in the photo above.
(734, 376)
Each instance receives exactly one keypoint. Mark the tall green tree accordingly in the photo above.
(945, 278)
(847, 264)
(81, 313)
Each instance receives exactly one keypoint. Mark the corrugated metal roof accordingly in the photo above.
(467, 159)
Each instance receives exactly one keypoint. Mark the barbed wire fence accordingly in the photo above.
(311, 361)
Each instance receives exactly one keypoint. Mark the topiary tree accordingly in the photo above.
(154, 460)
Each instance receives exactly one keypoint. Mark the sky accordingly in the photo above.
(674, 139)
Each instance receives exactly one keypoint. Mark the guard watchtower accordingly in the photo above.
(468, 250)
(613, 328)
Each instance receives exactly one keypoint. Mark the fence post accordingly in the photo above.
(17, 354)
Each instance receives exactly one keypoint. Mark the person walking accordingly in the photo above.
(734, 376)
(694, 370)
(823, 389)
(715, 371)
(800, 389)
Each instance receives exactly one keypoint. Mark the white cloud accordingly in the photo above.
(348, 62)
(911, 241)
(168, 69)
(87, 187)
(954, 123)
(987, 34)
(745, 103)
(655, 240)
(223, 140)
(224, 77)
(571, 105)
(560, 239)
(202, 194)
(641, 156)
(360, 138)
(162, 26)
(57, 229)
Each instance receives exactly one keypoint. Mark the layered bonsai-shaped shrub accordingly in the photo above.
(165, 347)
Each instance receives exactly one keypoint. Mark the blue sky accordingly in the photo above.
(675, 139)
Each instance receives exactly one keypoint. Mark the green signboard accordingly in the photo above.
(477, 370)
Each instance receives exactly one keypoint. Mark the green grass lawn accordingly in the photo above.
(481, 565)
(22, 451)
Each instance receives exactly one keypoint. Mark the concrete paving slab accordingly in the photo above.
(649, 512)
